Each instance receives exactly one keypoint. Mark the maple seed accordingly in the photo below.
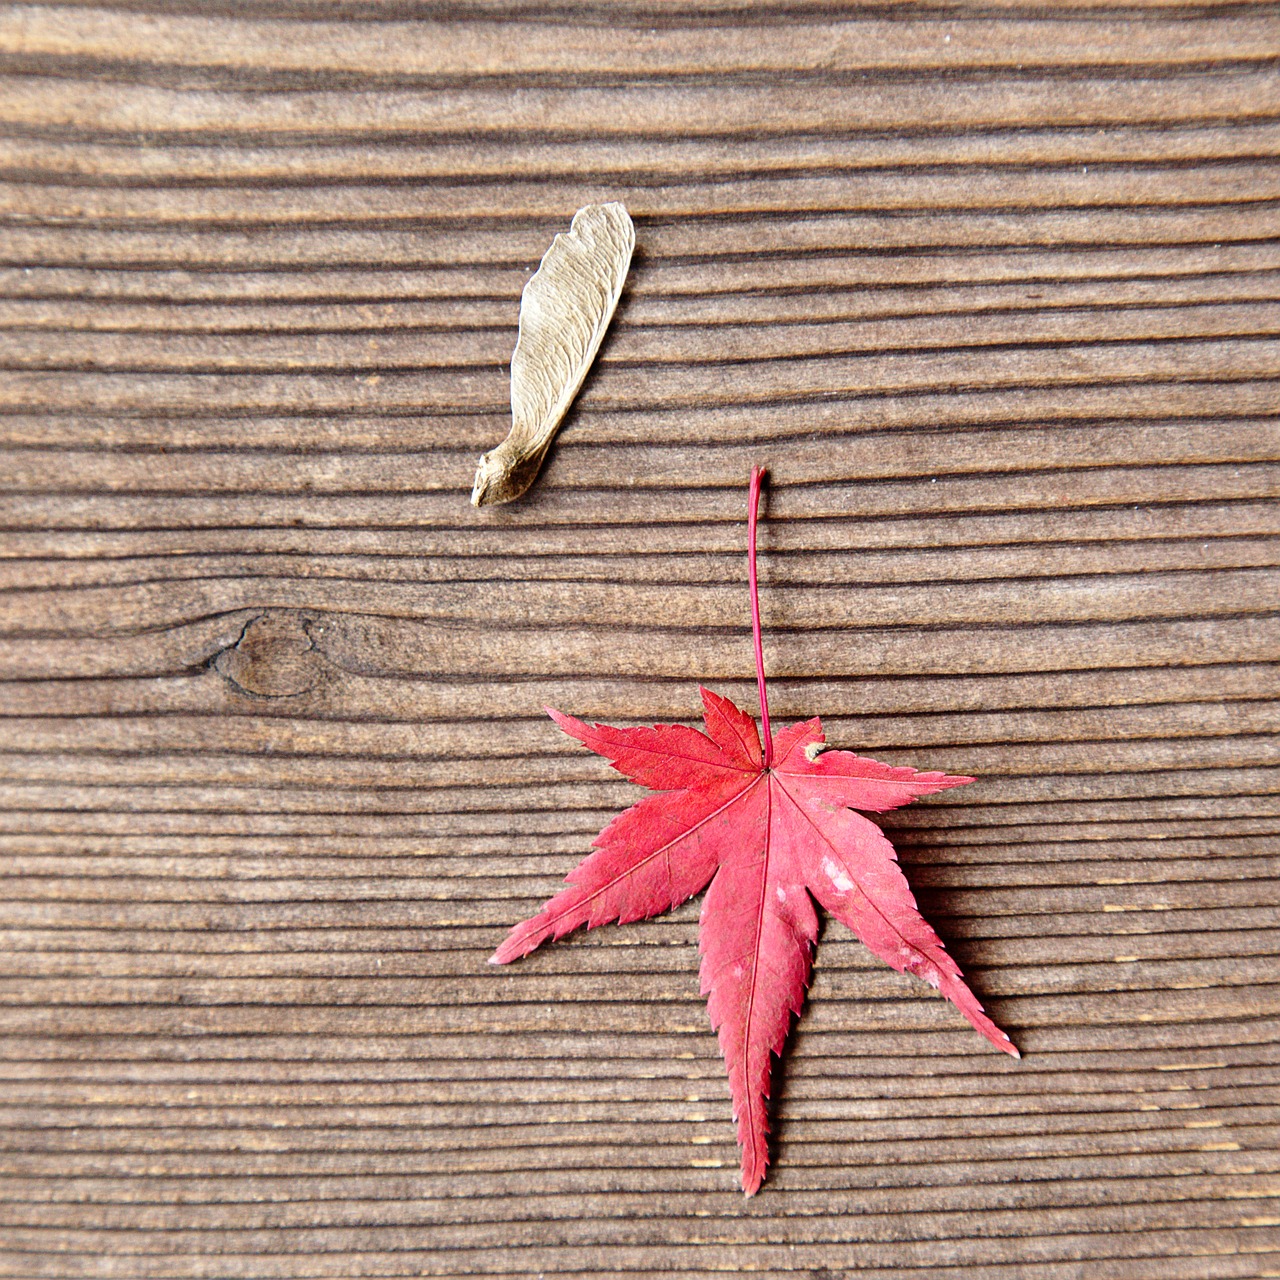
(564, 311)
(771, 827)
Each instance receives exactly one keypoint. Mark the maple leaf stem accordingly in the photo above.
(753, 505)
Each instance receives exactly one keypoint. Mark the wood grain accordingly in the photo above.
(992, 292)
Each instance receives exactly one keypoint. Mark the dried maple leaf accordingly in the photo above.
(771, 829)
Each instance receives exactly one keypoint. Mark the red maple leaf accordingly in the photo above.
(771, 830)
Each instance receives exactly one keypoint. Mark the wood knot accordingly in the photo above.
(274, 657)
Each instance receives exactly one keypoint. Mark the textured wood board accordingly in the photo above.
(992, 292)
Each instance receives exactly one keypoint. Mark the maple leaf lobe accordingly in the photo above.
(769, 841)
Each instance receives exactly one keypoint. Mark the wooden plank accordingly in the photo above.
(992, 292)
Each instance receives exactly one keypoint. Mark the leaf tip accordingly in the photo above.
(513, 947)
(562, 720)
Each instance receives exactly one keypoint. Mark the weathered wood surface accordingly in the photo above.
(994, 295)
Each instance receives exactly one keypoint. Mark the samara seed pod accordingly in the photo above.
(564, 312)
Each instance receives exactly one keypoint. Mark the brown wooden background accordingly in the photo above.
(992, 292)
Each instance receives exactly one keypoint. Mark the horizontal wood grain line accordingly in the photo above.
(471, 245)
(105, 301)
(1177, 1050)
(1119, 1173)
(56, 154)
(1095, 802)
(416, 1249)
(718, 106)
(54, 159)
(668, 1099)
(653, 347)
(548, 1198)
(974, 911)
(829, 1056)
(58, 242)
(357, 751)
(1221, 934)
(978, 488)
(1214, 1255)
(1215, 1258)
(1008, 603)
(524, 876)
(950, 1226)
(1116, 649)
(814, 1075)
(509, 1028)
(645, 13)
(827, 1060)
(922, 1196)
(1185, 1050)
(399, 948)
(1201, 424)
(958, 412)
(211, 73)
(1049, 960)
(1046, 957)
(1084, 529)
(1213, 1263)
(977, 915)
(710, 569)
(574, 652)
(1198, 938)
(922, 1193)
(40, 901)
(27, 990)
(564, 1117)
(555, 1204)
(1114, 1187)
(1205, 819)
(1019, 771)
(723, 277)
(528, 48)
(835, 1078)
(848, 703)
(614, 955)
(1195, 537)
(928, 322)
(445, 239)
(175, 77)
(814, 1080)
(567, 1125)
(795, 383)
(1116, 862)
(179, 1178)
(1210, 768)
(988, 569)
(536, 847)
(664, 356)
(730, 313)
(1203, 967)
(1206, 184)
(650, 501)
(979, 947)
